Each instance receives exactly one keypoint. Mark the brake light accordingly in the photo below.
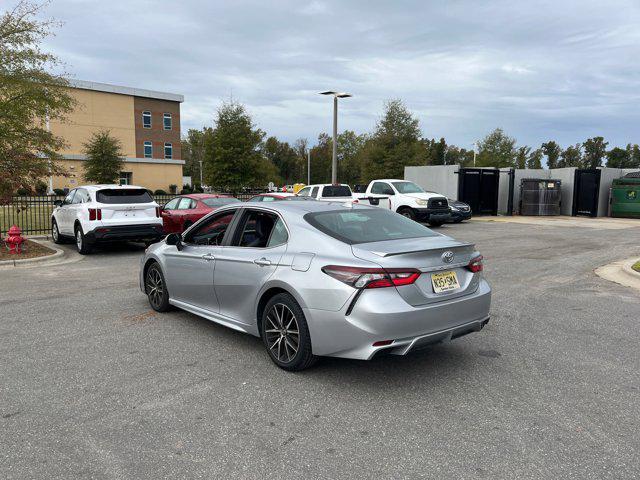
(158, 212)
(476, 265)
(358, 277)
(95, 214)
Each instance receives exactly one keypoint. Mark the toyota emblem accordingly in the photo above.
(447, 257)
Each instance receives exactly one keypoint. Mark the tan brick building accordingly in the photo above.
(147, 123)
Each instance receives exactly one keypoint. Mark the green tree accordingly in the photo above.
(595, 150)
(521, 156)
(496, 150)
(233, 158)
(350, 156)
(321, 155)
(459, 156)
(571, 156)
(284, 157)
(535, 159)
(193, 151)
(633, 151)
(104, 158)
(619, 157)
(395, 143)
(301, 147)
(552, 151)
(29, 94)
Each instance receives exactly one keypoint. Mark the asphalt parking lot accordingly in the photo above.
(93, 384)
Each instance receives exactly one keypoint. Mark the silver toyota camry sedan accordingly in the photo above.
(321, 279)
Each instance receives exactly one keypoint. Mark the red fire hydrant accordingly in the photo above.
(15, 240)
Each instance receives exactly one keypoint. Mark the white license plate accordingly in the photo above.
(444, 281)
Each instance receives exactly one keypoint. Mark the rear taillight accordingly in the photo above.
(476, 265)
(158, 211)
(358, 277)
(95, 214)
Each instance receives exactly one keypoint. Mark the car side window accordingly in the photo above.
(212, 230)
(185, 204)
(257, 198)
(255, 229)
(314, 192)
(279, 234)
(81, 196)
(69, 198)
(304, 192)
(268, 199)
(172, 204)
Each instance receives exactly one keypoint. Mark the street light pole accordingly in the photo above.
(309, 166)
(334, 160)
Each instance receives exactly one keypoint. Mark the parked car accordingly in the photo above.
(106, 213)
(459, 211)
(407, 199)
(328, 192)
(270, 197)
(181, 212)
(320, 279)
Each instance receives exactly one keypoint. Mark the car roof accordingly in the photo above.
(202, 196)
(301, 208)
(328, 185)
(113, 186)
(276, 194)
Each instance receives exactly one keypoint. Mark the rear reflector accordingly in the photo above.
(95, 214)
(359, 277)
(382, 343)
(476, 264)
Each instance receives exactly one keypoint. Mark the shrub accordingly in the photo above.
(23, 192)
(198, 188)
(41, 187)
(160, 192)
(173, 188)
(58, 191)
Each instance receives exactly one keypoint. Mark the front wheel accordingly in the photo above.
(435, 224)
(81, 242)
(156, 289)
(285, 334)
(55, 232)
(408, 212)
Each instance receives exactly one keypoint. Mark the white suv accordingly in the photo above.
(104, 213)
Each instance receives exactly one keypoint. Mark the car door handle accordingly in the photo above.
(208, 257)
(263, 262)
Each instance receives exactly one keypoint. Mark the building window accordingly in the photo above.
(126, 178)
(148, 150)
(168, 150)
(146, 119)
(167, 121)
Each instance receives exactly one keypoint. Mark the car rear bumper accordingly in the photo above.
(433, 215)
(459, 215)
(383, 315)
(140, 232)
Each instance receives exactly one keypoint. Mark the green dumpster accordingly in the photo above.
(625, 196)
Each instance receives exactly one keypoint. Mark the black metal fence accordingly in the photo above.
(33, 213)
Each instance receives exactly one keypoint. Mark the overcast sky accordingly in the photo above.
(563, 70)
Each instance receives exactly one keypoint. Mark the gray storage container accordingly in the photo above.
(539, 196)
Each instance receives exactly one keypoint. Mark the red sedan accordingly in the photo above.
(181, 212)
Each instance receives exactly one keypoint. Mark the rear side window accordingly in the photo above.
(336, 191)
(259, 230)
(218, 202)
(305, 192)
(366, 225)
(125, 195)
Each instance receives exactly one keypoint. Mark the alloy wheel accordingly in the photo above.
(282, 333)
(155, 287)
(54, 232)
(79, 239)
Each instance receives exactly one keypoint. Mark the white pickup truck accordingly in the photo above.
(407, 199)
(328, 192)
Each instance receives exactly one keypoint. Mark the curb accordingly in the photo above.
(620, 272)
(58, 253)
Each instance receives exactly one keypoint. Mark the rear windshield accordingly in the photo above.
(363, 226)
(336, 191)
(125, 195)
(218, 202)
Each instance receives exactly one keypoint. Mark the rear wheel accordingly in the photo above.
(81, 242)
(285, 334)
(408, 212)
(156, 289)
(435, 224)
(55, 232)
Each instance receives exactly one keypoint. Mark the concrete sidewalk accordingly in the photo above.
(600, 223)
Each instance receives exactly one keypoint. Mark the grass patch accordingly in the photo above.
(636, 266)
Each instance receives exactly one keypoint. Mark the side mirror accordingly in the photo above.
(58, 203)
(174, 239)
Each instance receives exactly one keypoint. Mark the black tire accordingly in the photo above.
(458, 221)
(435, 224)
(55, 233)
(408, 212)
(156, 288)
(83, 247)
(282, 351)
